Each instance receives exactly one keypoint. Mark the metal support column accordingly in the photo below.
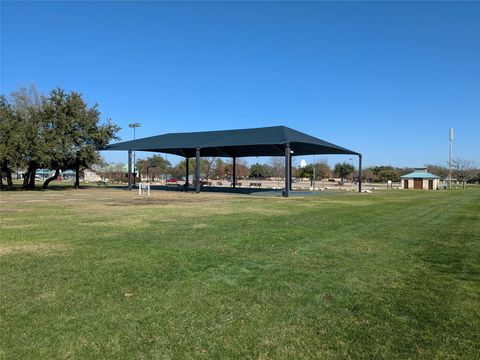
(197, 170)
(234, 178)
(187, 184)
(286, 192)
(359, 173)
(129, 169)
(291, 170)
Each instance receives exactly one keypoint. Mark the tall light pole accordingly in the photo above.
(134, 126)
(353, 176)
(450, 160)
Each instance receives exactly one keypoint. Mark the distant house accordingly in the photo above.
(89, 175)
(115, 176)
(420, 179)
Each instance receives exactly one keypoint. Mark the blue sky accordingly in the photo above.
(386, 79)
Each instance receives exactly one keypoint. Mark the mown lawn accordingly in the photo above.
(95, 274)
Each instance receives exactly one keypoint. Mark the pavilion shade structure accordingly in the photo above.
(267, 141)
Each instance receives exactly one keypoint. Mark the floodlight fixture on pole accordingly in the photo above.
(134, 126)
(450, 160)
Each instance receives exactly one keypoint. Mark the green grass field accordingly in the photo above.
(101, 273)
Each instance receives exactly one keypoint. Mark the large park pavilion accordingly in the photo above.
(265, 141)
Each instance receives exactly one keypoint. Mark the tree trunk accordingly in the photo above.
(9, 177)
(77, 175)
(26, 176)
(50, 179)
(29, 177)
(7, 171)
(31, 182)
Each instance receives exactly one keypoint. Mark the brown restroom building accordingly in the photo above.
(420, 179)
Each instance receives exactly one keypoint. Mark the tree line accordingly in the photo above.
(58, 131)
(463, 170)
(156, 166)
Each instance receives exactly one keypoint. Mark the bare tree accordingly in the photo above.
(322, 169)
(208, 166)
(278, 166)
(24, 99)
(437, 169)
(30, 127)
(463, 170)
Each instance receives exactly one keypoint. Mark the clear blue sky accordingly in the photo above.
(385, 79)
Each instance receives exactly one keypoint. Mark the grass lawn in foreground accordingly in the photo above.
(102, 273)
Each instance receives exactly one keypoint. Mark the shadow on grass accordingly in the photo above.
(50, 188)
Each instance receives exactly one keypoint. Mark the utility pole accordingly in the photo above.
(134, 126)
(450, 160)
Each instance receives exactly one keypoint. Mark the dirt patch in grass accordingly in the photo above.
(349, 202)
(47, 295)
(164, 199)
(123, 221)
(177, 205)
(37, 249)
(17, 226)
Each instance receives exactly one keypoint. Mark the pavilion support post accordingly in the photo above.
(234, 178)
(286, 192)
(129, 169)
(290, 163)
(360, 173)
(197, 170)
(186, 173)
